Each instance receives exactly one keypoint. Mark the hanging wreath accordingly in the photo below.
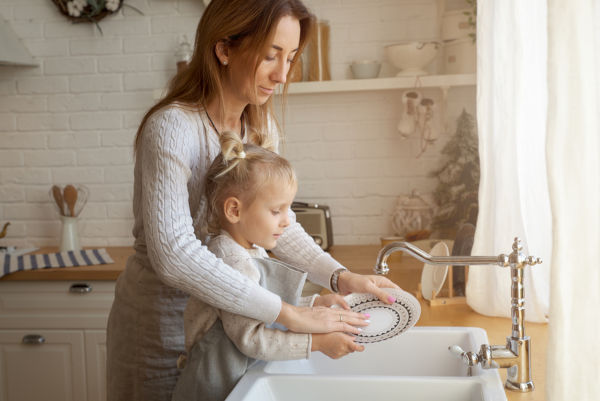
(89, 10)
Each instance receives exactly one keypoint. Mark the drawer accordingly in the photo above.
(57, 304)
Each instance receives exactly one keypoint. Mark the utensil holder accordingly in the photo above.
(69, 240)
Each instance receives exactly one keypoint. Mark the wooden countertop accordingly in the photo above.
(405, 272)
(96, 272)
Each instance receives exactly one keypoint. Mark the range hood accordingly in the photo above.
(12, 50)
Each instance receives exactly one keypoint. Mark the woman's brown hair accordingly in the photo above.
(244, 25)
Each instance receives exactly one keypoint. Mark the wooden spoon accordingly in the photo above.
(70, 195)
(59, 199)
(3, 232)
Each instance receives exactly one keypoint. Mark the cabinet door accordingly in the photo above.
(44, 365)
(95, 358)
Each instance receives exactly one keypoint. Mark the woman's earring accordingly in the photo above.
(225, 62)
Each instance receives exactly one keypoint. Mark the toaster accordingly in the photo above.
(316, 221)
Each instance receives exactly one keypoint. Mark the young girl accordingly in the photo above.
(249, 190)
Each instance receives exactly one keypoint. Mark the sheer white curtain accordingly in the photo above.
(511, 117)
(573, 371)
(539, 128)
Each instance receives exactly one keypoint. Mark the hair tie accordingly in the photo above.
(242, 155)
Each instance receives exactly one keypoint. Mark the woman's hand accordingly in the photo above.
(349, 282)
(330, 300)
(320, 319)
(335, 345)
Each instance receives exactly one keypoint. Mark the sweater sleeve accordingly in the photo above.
(169, 142)
(252, 337)
(257, 341)
(298, 248)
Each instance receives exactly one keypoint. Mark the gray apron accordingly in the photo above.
(214, 364)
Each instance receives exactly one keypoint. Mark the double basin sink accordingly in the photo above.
(415, 365)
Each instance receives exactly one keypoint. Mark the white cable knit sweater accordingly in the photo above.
(176, 150)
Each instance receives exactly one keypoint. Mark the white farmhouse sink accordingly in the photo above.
(421, 351)
(314, 388)
(413, 366)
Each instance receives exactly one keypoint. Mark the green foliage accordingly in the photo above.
(458, 178)
(472, 14)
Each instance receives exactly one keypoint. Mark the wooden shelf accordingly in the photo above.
(352, 85)
(375, 84)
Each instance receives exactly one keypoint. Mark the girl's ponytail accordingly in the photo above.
(262, 139)
(232, 151)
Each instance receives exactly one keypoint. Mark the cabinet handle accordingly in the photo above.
(33, 339)
(80, 288)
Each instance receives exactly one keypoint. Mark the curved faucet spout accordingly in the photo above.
(381, 266)
(515, 355)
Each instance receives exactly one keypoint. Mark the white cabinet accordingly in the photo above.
(42, 365)
(95, 351)
(53, 340)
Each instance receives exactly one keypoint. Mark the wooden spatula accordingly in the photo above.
(70, 195)
(58, 198)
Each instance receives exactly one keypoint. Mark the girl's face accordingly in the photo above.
(262, 222)
(272, 69)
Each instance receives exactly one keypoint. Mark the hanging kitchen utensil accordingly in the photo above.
(408, 115)
(425, 114)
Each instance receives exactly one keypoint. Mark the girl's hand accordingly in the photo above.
(320, 319)
(349, 282)
(330, 300)
(335, 345)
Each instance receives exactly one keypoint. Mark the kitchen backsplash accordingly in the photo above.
(73, 118)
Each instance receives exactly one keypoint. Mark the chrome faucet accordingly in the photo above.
(515, 355)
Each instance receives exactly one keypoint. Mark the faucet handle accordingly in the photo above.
(456, 350)
(532, 260)
(469, 358)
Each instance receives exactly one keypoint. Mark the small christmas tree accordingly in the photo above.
(457, 191)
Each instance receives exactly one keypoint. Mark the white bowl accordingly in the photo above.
(364, 69)
(412, 57)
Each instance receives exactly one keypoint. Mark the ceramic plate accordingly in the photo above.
(433, 276)
(387, 321)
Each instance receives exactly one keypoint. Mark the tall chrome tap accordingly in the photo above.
(515, 355)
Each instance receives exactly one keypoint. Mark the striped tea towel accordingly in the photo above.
(85, 257)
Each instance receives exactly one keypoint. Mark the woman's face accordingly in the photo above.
(272, 68)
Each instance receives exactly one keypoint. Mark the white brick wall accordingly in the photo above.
(73, 118)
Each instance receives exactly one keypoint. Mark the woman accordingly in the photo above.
(244, 50)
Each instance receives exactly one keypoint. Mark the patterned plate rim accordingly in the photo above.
(405, 304)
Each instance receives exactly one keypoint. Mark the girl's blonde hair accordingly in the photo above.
(240, 170)
(246, 26)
